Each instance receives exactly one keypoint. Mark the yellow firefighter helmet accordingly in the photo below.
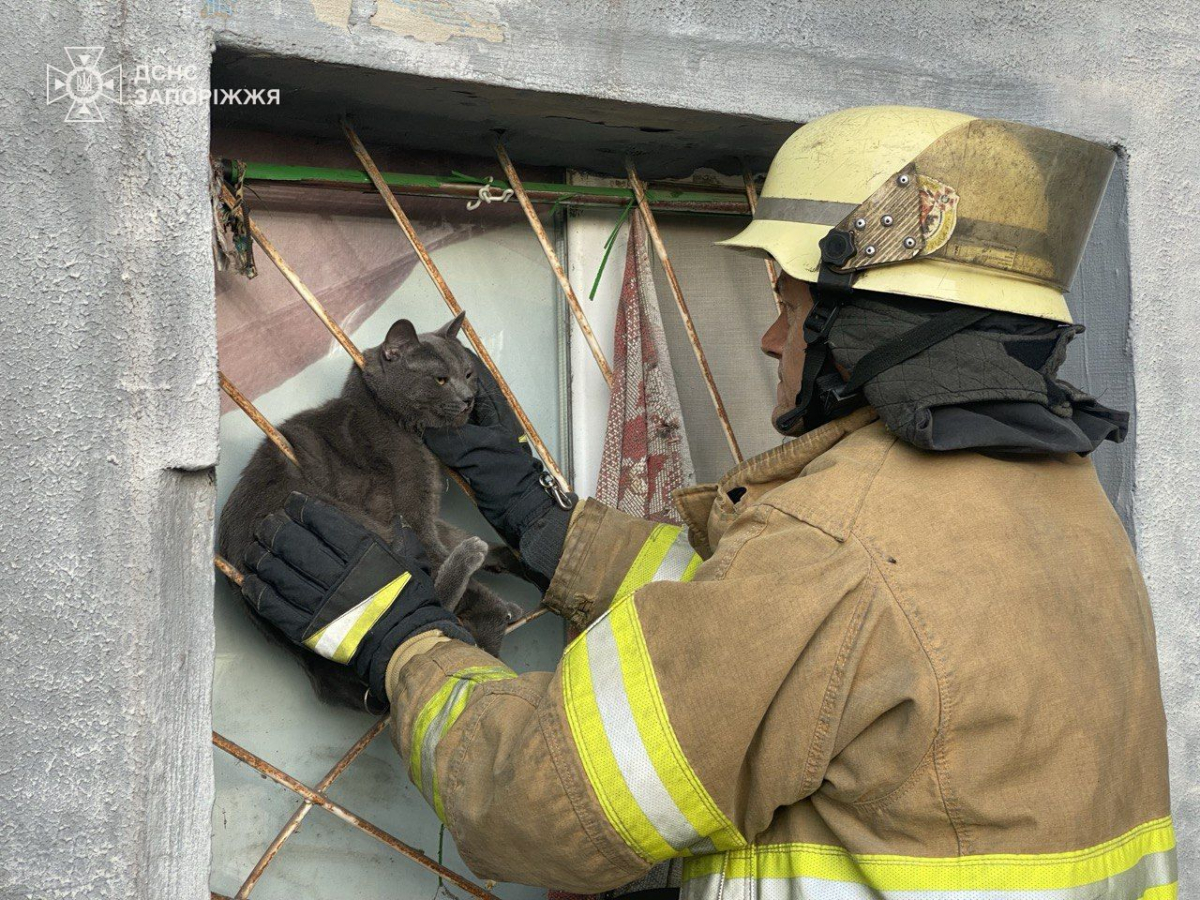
(930, 203)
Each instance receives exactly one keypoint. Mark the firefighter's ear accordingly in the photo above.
(401, 336)
(450, 329)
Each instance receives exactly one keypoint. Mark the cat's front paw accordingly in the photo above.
(455, 573)
(471, 554)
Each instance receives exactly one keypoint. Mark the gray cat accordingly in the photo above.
(362, 452)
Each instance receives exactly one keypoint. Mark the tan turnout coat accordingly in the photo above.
(886, 672)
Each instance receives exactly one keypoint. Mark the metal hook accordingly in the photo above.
(486, 196)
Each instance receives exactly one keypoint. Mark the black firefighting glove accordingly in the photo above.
(336, 588)
(518, 497)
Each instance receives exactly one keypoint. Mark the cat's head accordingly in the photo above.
(423, 380)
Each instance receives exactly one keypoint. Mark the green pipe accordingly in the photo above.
(466, 186)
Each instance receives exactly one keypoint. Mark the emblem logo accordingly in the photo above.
(85, 84)
(938, 212)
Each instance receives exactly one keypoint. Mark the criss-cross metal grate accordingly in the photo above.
(317, 795)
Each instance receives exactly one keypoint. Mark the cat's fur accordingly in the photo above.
(362, 452)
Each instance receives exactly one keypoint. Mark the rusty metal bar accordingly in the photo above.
(234, 575)
(752, 199)
(510, 172)
(294, 280)
(666, 196)
(736, 206)
(526, 619)
(406, 226)
(639, 190)
(297, 817)
(228, 569)
(318, 799)
(273, 434)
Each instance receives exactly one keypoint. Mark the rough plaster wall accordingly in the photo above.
(106, 382)
(109, 411)
(1113, 71)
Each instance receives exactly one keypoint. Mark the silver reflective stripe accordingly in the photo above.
(620, 728)
(816, 212)
(675, 563)
(1152, 870)
(433, 735)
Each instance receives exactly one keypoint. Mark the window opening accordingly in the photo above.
(678, 198)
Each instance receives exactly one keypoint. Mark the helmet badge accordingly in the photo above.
(908, 216)
(939, 212)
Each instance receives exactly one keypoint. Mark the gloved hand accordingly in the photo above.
(518, 497)
(336, 588)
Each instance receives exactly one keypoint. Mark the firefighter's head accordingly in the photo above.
(914, 215)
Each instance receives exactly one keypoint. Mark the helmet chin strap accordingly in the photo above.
(820, 380)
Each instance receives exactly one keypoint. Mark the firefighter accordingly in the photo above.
(907, 654)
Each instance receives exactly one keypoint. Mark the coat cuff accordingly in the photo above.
(601, 545)
(414, 646)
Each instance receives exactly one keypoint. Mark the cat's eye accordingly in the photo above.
(470, 374)
(441, 380)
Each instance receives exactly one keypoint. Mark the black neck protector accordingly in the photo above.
(823, 383)
(1013, 405)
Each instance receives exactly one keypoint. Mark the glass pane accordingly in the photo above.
(355, 258)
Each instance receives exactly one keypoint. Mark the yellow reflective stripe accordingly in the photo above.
(458, 704)
(947, 876)
(629, 751)
(1162, 892)
(665, 556)
(437, 717)
(658, 737)
(339, 639)
(649, 557)
(421, 725)
(599, 763)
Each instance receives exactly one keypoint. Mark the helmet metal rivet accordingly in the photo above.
(902, 180)
(870, 251)
(886, 220)
(910, 242)
(860, 223)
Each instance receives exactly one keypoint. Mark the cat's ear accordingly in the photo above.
(400, 337)
(450, 330)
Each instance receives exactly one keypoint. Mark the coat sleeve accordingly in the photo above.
(608, 554)
(670, 727)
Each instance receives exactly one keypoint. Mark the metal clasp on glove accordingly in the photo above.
(554, 489)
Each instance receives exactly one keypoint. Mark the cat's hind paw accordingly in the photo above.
(502, 560)
(487, 617)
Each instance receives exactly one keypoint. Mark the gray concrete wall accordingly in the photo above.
(107, 385)
(1118, 72)
(108, 407)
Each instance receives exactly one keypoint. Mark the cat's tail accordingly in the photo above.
(455, 573)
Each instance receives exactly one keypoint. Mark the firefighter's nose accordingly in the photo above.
(775, 337)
